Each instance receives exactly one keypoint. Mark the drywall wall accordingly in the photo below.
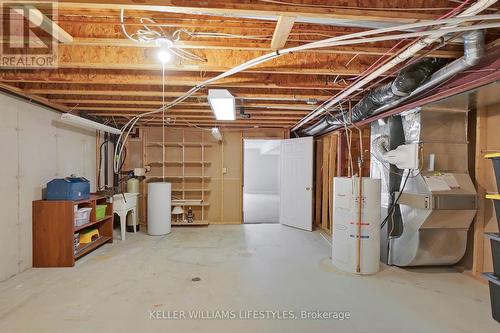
(35, 149)
(261, 169)
(224, 196)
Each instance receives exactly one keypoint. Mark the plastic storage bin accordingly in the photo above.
(100, 212)
(69, 188)
(495, 159)
(82, 216)
(495, 251)
(494, 283)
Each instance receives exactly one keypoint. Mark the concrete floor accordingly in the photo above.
(251, 267)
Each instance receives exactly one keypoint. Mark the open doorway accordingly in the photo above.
(261, 181)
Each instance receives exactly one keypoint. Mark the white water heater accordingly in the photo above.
(346, 226)
(159, 208)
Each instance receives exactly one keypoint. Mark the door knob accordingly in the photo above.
(308, 188)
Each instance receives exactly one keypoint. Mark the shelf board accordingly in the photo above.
(192, 190)
(179, 162)
(187, 202)
(194, 223)
(178, 177)
(83, 249)
(93, 197)
(178, 144)
(107, 217)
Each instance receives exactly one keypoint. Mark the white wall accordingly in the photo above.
(261, 170)
(35, 148)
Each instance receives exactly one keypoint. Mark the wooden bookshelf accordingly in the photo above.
(185, 167)
(54, 229)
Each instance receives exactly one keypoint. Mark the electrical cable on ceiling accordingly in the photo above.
(148, 35)
(355, 38)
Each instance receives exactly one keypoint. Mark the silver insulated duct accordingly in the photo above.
(473, 51)
(409, 83)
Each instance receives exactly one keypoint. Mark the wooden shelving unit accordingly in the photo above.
(54, 229)
(185, 167)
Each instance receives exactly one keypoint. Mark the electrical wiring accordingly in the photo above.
(355, 38)
(148, 35)
(393, 206)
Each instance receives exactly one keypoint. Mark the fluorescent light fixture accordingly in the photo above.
(222, 104)
(87, 124)
(216, 134)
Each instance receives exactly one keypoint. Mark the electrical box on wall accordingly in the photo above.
(404, 156)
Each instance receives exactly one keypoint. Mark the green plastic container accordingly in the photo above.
(100, 212)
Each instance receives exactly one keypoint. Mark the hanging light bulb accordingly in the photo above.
(164, 53)
(164, 56)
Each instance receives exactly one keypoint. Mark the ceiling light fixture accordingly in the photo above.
(87, 123)
(164, 52)
(222, 104)
(164, 56)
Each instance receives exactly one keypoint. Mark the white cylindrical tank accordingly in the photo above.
(159, 207)
(133, 187)
(345, 225)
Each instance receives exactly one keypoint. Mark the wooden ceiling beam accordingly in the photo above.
(249, 8)
(98, 57)
(283, 28)
(185, 79)
(262, 105)
(86, 93)
(255, 46)
(143, 109)
(288, 119)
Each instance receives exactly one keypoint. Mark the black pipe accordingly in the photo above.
(405, 82)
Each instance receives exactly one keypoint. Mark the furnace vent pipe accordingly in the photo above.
(408, 84)
(474, 48)
(405, 82)
(406, 54)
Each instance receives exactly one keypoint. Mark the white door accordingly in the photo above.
(296, 183)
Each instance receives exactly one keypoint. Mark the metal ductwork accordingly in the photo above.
(327, 123)
(473, 51)
(409, 83)
(406, 81)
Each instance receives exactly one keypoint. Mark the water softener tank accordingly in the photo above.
(133, 187)
(159, 208)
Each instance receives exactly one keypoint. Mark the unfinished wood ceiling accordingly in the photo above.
(104, 74)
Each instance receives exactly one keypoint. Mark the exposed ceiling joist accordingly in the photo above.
(182, 79)
(282, 31)
(246, 8)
